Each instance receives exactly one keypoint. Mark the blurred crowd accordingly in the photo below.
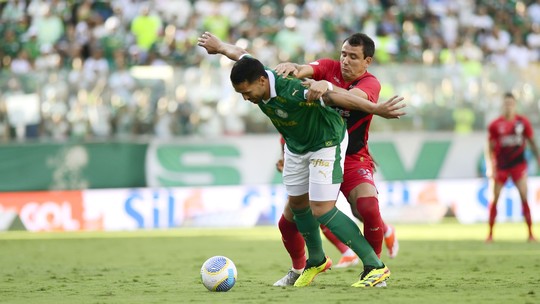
(68, 68)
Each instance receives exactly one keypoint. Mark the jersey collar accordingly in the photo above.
(272, 83)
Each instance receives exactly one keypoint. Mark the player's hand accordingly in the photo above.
(286, 68)
(211, 43)
(279, 165)
(390, 109)
(316, 89)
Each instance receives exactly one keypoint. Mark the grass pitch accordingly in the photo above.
(442, 263)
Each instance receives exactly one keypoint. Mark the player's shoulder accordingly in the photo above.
(522, 117)
(324, 62)
(496, 120)
(368, 77)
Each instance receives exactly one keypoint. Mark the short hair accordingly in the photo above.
(360, 39)
(247, 69)
(509, 95)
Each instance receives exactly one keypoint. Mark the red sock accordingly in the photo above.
(334, 240)
(293, 242)
(492, 216)
(527, 215)
(368, 208)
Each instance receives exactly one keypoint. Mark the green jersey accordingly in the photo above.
(305, 126)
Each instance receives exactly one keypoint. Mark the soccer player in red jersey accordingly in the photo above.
(507, 138)
(349, 74)
(315, 140)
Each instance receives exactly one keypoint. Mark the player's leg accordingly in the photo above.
(323, 192)
(495, 186)
(325, 170)
(296, 180)
(521, 185)
(348, 232)
(389, 232)
(359, 189)
(294, 244)
(348, 257)
(390, 240)
(365, 199)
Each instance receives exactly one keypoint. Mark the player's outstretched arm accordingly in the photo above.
(333, 96)
(297, 70)
(214, 45)
(389, 109)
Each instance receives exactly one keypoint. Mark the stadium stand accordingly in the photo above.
(118, 69)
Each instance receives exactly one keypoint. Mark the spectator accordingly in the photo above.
(121, 82)
(48, 60)
(533, 41)
(21, 64)
(216, 22)
(49, 27)
(96, 66)
(9, 45)
(13, 11)
(146, 28)
(518, 53)
(533, 11)
(45, 36)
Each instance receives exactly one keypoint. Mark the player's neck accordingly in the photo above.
(509, 116)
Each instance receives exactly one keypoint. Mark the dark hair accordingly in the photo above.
(509, 95)
(247, 69)
(360, 39)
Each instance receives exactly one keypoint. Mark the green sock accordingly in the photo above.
(347, 231)
(309, 228)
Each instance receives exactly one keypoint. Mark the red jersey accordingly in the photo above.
(357, 121)
(509, 137)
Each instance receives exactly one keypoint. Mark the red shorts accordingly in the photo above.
(516, 172)
(356, 172)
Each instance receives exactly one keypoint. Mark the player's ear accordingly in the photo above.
(369, 60)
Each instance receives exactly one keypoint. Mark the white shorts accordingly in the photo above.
(320, 173)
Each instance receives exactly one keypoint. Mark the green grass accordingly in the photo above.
(443, 263)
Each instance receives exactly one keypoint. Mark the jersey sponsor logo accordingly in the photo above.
(281, 99)
(320, 163)
(308, 104)
(365, 174)
(281, 123)
(281, 113)
(512, 140)
(519, 128)
(343, 113)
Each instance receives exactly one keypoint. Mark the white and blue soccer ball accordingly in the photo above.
(218, 273)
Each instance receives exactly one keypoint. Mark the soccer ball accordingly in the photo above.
(218, 273)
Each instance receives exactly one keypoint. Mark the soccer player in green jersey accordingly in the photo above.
(315, 144)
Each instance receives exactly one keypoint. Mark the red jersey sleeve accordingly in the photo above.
(492, 135)
(528, 130)
(323, 69)
(371, 86)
